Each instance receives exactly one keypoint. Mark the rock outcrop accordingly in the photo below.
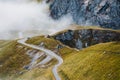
(104, 13)
(86, 37)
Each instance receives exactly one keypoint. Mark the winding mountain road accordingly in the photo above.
(48, 52)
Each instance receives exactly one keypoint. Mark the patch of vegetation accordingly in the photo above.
(66, 51)
(99, 62)
(48, 42)
(37, 74)
(3, 43)
(12, 58)
(51, 44)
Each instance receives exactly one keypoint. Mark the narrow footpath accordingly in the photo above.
(48, 52)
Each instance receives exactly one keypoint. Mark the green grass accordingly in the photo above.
(12, 58)
(48, 42)
(99, 62)
(37, 74)
(4, 43)
(51, 44)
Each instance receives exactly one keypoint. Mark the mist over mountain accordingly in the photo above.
(29, 17)
(104, 13)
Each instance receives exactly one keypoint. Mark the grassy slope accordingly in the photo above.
(48, 43)
(37, 74)
(51, 44)
(99, 62)
(13, 58)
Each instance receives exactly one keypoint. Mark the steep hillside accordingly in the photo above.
(52, 44)
(16, 58)
(12, 57)
(99, 62)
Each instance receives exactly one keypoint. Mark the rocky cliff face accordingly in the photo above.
(104, 13)
(86, 37)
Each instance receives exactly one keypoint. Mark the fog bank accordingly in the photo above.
(30, 18)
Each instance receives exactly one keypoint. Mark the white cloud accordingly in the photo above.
(17, 16)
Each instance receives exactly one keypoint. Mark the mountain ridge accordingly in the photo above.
(104, 13)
